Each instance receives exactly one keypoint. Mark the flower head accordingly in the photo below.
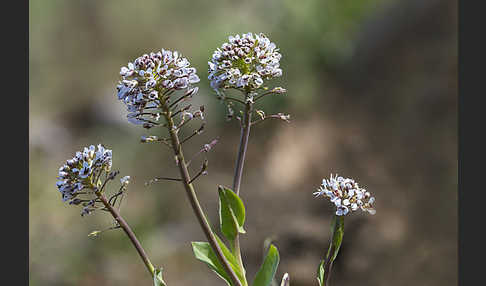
(80, 175)
(346, 195)
(149, 80)
(245, 62)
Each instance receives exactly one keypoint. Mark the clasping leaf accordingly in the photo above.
(231, 213)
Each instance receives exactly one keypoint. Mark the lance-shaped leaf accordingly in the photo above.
(231, 213)
(266, 245)
(337, 226)
(267, 271)
(337, 233)
(204, 253)
(158, 280)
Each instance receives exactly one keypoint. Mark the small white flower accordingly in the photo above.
(85, 170)
(342, 210)
(318, 193)
(336, 201)
(324, 183)
(186, 114)
(125, 181)
(346, 195)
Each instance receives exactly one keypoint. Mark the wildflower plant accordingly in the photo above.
(157, 89)
(83, 180)
(348, 197)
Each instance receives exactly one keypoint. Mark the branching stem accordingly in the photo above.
(191, 194)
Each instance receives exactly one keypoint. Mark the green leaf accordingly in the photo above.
(266, 244)
(337, 233)
(204, 253)
(267, 271)
(158, 281)
(320, 273)
(238, 269)
(231, 213)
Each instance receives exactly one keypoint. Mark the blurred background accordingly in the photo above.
(372, 93)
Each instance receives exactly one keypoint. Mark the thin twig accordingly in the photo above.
(202, 171)
(114, 197)
(108, 178)
(196, 132)
(178, 100)
(206, 148)
(274, 116)
(181, 110)
(184, 122)
(156, 139)
(162, 178)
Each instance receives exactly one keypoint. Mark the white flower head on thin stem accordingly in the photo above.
(80, 177)
(149, 80)
(244, 62)
(346, 195)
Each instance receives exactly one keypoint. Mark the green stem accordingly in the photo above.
(245, 134)
(191, 194)
(337, 232)
(123, 224)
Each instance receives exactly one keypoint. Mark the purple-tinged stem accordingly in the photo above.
(124, 225)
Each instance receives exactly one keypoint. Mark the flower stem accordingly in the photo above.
(191, 194)
(245, 134)
(123, 224)
(337, 232)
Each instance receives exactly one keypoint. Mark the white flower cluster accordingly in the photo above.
(245, 62)
(82, 172)
(147, 80)
(346, 195)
